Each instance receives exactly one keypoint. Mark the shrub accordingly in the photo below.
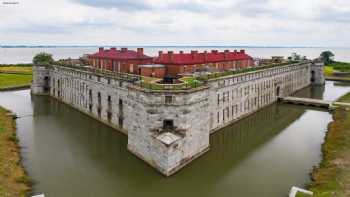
(43, 59)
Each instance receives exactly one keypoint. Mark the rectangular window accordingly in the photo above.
(223, 115)
(168, 124)
(120, 121)
(168, 99)
(99, 99)
(109, 101)
(218, 99)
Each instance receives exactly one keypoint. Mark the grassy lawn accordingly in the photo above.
(14, 80)
(332, 71)
(13, 180)
(328, 70)
(340, 66)
(16, 69)
(332, 177)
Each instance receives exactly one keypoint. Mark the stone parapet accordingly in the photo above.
(169, 128)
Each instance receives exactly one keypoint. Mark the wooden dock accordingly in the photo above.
(307, 102)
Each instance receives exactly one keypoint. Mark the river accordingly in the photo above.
(69, 154)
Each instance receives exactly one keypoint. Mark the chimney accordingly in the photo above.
(242, 51)
(124, 49)
(193, 54)
(160, 55)
(226, 54)
(113, 49)
(100, 49)
(140, 51)
(171, 55)
(205, 56)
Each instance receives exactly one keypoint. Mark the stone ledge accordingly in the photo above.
(172, 171)
(168, 138)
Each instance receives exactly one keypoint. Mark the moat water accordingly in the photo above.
(69, 154)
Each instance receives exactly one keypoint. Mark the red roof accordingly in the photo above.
(122, 54)
(200, 58)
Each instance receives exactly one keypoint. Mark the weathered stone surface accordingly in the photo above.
(317, 76)
(168, 129)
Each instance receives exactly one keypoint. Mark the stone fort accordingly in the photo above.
(168, 127)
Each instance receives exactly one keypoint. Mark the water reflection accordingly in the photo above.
(70, 154)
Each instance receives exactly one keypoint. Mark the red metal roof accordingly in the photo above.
(122, 54)
(200, 58)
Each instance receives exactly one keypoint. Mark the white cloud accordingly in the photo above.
(229, 22)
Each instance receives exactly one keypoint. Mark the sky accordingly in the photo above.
(176, 22)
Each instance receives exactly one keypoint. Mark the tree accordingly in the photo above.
(43, 59)
(327, 57)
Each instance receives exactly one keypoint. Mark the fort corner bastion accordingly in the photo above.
(168, 125)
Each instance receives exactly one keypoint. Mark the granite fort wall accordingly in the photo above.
(234, 97)
(168, 129)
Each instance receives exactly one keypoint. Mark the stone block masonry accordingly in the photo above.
(169, 128)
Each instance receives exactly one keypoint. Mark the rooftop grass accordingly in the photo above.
(234, 72)
(188, 82)
(13, 180)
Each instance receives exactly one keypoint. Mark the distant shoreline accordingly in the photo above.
(163, 46)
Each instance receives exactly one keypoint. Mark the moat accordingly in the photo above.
(70, 154)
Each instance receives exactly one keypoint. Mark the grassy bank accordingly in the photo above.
(332, 177)
(338, 71)
(15, 76)
(16, 69)
(13, 180)
(340, 66)
(14, 80)
(17, 65)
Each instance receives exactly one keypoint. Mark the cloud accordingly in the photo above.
(133, 5)
(181, 22)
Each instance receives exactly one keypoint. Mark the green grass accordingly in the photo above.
(17, 65)
(187, 83)
(13, 179)
(14, 80)
(340, 66)
(234, 72)
(16, 69)
(345, 98)
(1, 128)
(328, 70)
(332, 176)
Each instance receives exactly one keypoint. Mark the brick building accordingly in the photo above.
(182, 63)
(123, 60)
(170, 63)
(152, 70)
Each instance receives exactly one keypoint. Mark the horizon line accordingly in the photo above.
(161, 46)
